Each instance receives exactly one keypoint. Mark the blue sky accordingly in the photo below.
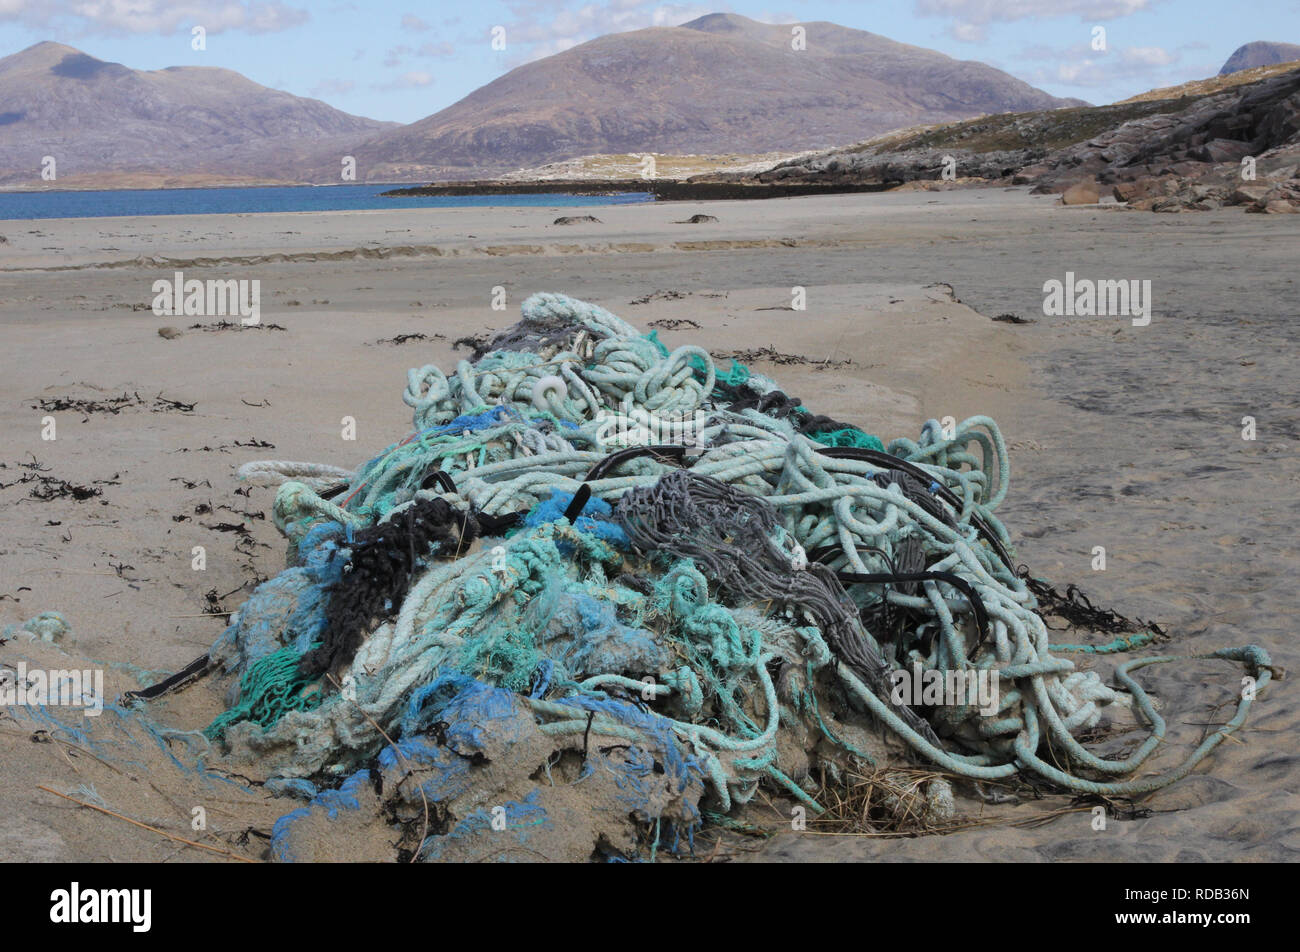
(402, 60)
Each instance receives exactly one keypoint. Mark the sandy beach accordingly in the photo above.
(1124, 437)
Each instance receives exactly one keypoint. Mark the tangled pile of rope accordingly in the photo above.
(525, 595)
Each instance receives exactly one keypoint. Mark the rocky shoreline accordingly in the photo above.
(1183, 154)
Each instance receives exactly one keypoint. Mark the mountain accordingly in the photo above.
(719, 84)
(1260, 53)
(103, 120)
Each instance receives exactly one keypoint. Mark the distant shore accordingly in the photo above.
(664, 190)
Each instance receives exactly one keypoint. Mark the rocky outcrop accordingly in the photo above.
(1282, 198)
(1173, 193)
(1162, 155)
(897, 168)
(1222, 128)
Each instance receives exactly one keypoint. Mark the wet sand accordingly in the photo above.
(1123, 437)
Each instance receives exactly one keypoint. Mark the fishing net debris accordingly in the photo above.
(604, 592)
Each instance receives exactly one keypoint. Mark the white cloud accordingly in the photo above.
(411, 22)
(544, 27)
(1081, 73)
(1082, 67)
(968, 32)
(430, 50)
(332, 87)
(969, 19)
(1147, 56)
(156, 16)
(443, 50)
(770, 17)
(1005, 11)
(412, 80)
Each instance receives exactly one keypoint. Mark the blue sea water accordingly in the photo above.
(268, 198)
